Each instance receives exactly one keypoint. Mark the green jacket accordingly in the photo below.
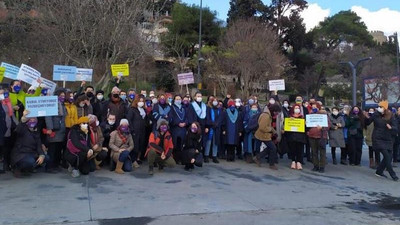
(20, 96)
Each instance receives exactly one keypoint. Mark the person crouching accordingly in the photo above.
(121, 144)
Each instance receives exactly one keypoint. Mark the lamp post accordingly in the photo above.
(397, 51)
(199, 53)
(354, 73)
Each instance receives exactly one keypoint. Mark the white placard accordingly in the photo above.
(276, 85)
(28, 74)
(50, 85)
(185, 78)
(314, 120)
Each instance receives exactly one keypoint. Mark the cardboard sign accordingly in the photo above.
(294, 125)
(64, 73)
(2, 71)
(42, 106)
(314, 120)
(48, 84)
(120, 70)
(28, 74)
(11, 71)
(185, 78)
(276, 85)
(83, 74)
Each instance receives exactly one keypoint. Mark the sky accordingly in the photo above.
(382, 15)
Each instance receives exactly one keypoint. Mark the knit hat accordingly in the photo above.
(124, 121)
(384, 104)
(92, 118)
(161, 122)
(231, 103)
(83, 119)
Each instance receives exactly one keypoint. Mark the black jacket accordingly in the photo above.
(137, 123)
(27, 143)
(78, 137)
(382, 137)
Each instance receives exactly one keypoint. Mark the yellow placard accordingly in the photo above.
(120, 70)
(2, 71)
(294, 125)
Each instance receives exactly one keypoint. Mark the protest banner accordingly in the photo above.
(2, 71)
(11, 71)
(185, 78)
(294, 125)
(28, 74)
(276, 85)
(314, 120)
(48, 84)
(42, 106)
(120, 70)
(64, 73)
(83, 74)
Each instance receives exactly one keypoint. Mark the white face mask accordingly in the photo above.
(285, 105)
(140, 104)
(297, 111)
(100, 97)
(237, 104)
(215, 103)
(380, 109)
(111, 122)
(97, 123)
(84, 127)
(335, 113)
(81, 105)
(2, 97)
(199, 99)
(154, 101)
(271, 101)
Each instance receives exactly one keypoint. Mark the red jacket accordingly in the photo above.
(168, 145)
(314, 132)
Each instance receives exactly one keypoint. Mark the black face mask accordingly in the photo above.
(116, 95)
(90, 94)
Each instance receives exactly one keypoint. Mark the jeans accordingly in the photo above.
(386, 163)
(211, 144)
(270, 151)
(29, 162)
(124, 157)
(248, 143)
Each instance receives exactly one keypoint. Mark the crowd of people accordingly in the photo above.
(124, 128)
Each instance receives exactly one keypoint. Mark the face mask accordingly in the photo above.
(297, 111)
(371, 112)
(132, 96)
(145, 95)
(163, 128)
(356, 112)
(194, 129)
(199, 99)
(89, 94)
(285, 105)
(123, 97)
(345, 111)
(31, 124)
(237, 104)
(6, 94)
(140, 104)
(148, 103)
(154, 101)
(380, 109)
(17, 88)
(178, 103)
(170, 100)
(124, 129)
(100, 97)
(2, 97)
(298, 101)
(115, 95)
(215, 103)
(271, 101)
(335, 113)
(61, 99)
(97, 123)
(251, 101)
(111, 122)
(185, 102)
(254, 110)
(232, 108)
(71, 100)
(81, 105)
(162, 101)
(44, 92)
(314, 110)
(84, 127)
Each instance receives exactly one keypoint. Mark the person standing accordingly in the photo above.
(296, 140)
(232, 125)
(336, 138)
(213, 142)
(355, 126)
(368, 140)
(178, 123)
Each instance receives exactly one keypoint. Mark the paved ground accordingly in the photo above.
(228, 193)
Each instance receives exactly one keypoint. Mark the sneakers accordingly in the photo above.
(75, 173)
(135, 165)
(215, 160)
(380, 175)
(298, 166)
(257, 161)
(293, 166)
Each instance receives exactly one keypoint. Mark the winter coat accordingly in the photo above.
(265, 129)
(231, 129)
(157, 113)
(27, 143)
(18, 99)
(84, 111)
(115, 108)
(314, 132)
(168, 146)
(116, 143)
(192, 143)
(10, 122)
(80, 139)
(296, 136)
(137, 123)
(368, 134)
(354, 126)
(336, 137)
(57, 125)
(106, 130)
(214, 125)
(98, 108)
(72, 114)
(382, 137)
(177, 116)
(99, 140)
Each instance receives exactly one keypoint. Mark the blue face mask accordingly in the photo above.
(132, 96)
(148, 103)
(314, 110)
(123, 97)
(6, 94)
(178, 103)
(169, 100)
(44, 92)
(251, 101)
(17, 88)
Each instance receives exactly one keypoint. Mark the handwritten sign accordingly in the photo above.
(42, 106)
(48, 84)
(11, 71)
(120, 70)
(28, 74)
(83, 74)
(294, 125)
(314, 120)
(64, 73)
(276, 85)
(185, 78)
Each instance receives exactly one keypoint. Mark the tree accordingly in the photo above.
(244, 9)
(251, 51)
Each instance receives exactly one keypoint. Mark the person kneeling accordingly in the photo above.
(192, 154)
(160, 147)
(96, 140)
(121, 144)
(27, 153)
(79, 150)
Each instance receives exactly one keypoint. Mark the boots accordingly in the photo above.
(372, 164)
(97, 164)
(118, 167)
(249, 158)
(334, 158)
(215, 160)
(206, 159)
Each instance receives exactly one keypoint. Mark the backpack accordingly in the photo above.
(252, 125)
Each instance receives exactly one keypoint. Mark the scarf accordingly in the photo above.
(179, 112)
(142, 112)
(211, 132)
(93, 136)
(122, 137)
(164, 111)
(232, 116)
(7, 103)
(201, 112)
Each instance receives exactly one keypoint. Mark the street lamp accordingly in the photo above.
(354, 72)
(199, 53)
(397, 51)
